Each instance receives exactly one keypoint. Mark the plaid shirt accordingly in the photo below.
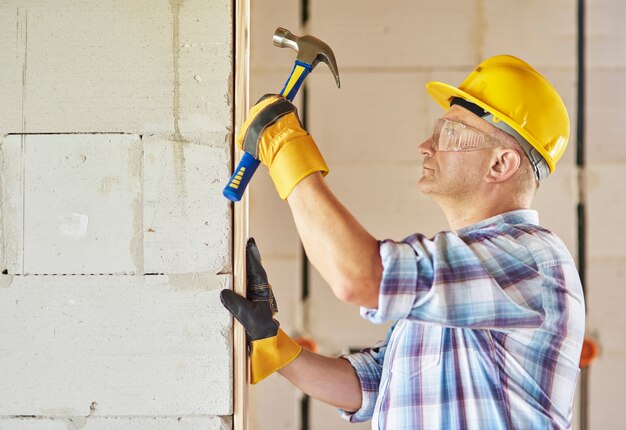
(488, 331)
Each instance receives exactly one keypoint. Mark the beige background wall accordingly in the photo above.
(115, 134)
(369, 130)
(606, 202)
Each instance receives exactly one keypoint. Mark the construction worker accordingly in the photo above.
(488, 317)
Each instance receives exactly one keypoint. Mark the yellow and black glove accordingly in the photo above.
(270, 347)
(273, 134)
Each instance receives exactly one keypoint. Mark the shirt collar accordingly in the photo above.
(520, 216)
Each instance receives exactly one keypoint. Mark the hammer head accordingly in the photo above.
(310, 50)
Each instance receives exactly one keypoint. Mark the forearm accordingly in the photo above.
(344, 253)
(330, 380)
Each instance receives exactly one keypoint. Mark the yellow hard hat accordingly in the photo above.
(518, 100)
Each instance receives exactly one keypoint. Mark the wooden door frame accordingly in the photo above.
(240, 211)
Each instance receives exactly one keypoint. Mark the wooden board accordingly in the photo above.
(240, 233)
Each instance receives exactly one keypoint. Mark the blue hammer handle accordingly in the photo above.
(248, 164)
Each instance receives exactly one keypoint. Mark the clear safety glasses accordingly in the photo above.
(455, 136)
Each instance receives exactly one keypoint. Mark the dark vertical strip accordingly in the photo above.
(584, 399)
(304, 12)
(584, 374)
(582, 239)
(580, 114)
(304, 117)
(304, 112)
(305, 278)
(304, 412)
(581, 209)
(306, 400)
(580, 143)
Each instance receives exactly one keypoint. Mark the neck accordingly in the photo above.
(465, 212)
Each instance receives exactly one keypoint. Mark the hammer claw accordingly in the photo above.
(329, 59)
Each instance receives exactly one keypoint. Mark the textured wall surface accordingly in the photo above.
(115, 131)
(369, 131)
(606, 202)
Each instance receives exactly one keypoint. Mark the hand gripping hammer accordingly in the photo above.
(310, 51)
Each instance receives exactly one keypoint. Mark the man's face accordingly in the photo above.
(455, 174)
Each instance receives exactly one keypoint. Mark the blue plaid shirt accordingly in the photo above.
(488, 330)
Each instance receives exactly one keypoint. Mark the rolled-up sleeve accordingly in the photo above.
(368, 365)
(487, 280)
(407, 272)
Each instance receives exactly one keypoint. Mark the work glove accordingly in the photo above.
(270, 348)
(273, 134)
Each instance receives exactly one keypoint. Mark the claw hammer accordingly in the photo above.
(311, 51)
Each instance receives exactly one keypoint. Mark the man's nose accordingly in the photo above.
(427, 147)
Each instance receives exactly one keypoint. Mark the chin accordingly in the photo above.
(424, 185)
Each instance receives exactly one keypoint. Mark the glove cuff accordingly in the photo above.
(296, 160)
(270, 354)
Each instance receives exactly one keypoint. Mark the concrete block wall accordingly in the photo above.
(115, 134)
(369, 131)
(605, 171)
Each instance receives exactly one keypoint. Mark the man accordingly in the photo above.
(488, 317)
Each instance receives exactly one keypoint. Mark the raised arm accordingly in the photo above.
(344, 253)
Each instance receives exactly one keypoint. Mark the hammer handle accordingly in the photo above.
(239, 181)
(298, 74)
(248, 164)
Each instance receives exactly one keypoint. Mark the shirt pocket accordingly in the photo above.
(419, 350)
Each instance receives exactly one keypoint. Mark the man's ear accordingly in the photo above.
(504, 164)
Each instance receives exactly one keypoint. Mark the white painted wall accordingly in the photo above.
(115, 131)
(369, 130)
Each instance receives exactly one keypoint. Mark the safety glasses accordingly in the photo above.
(455, 136)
